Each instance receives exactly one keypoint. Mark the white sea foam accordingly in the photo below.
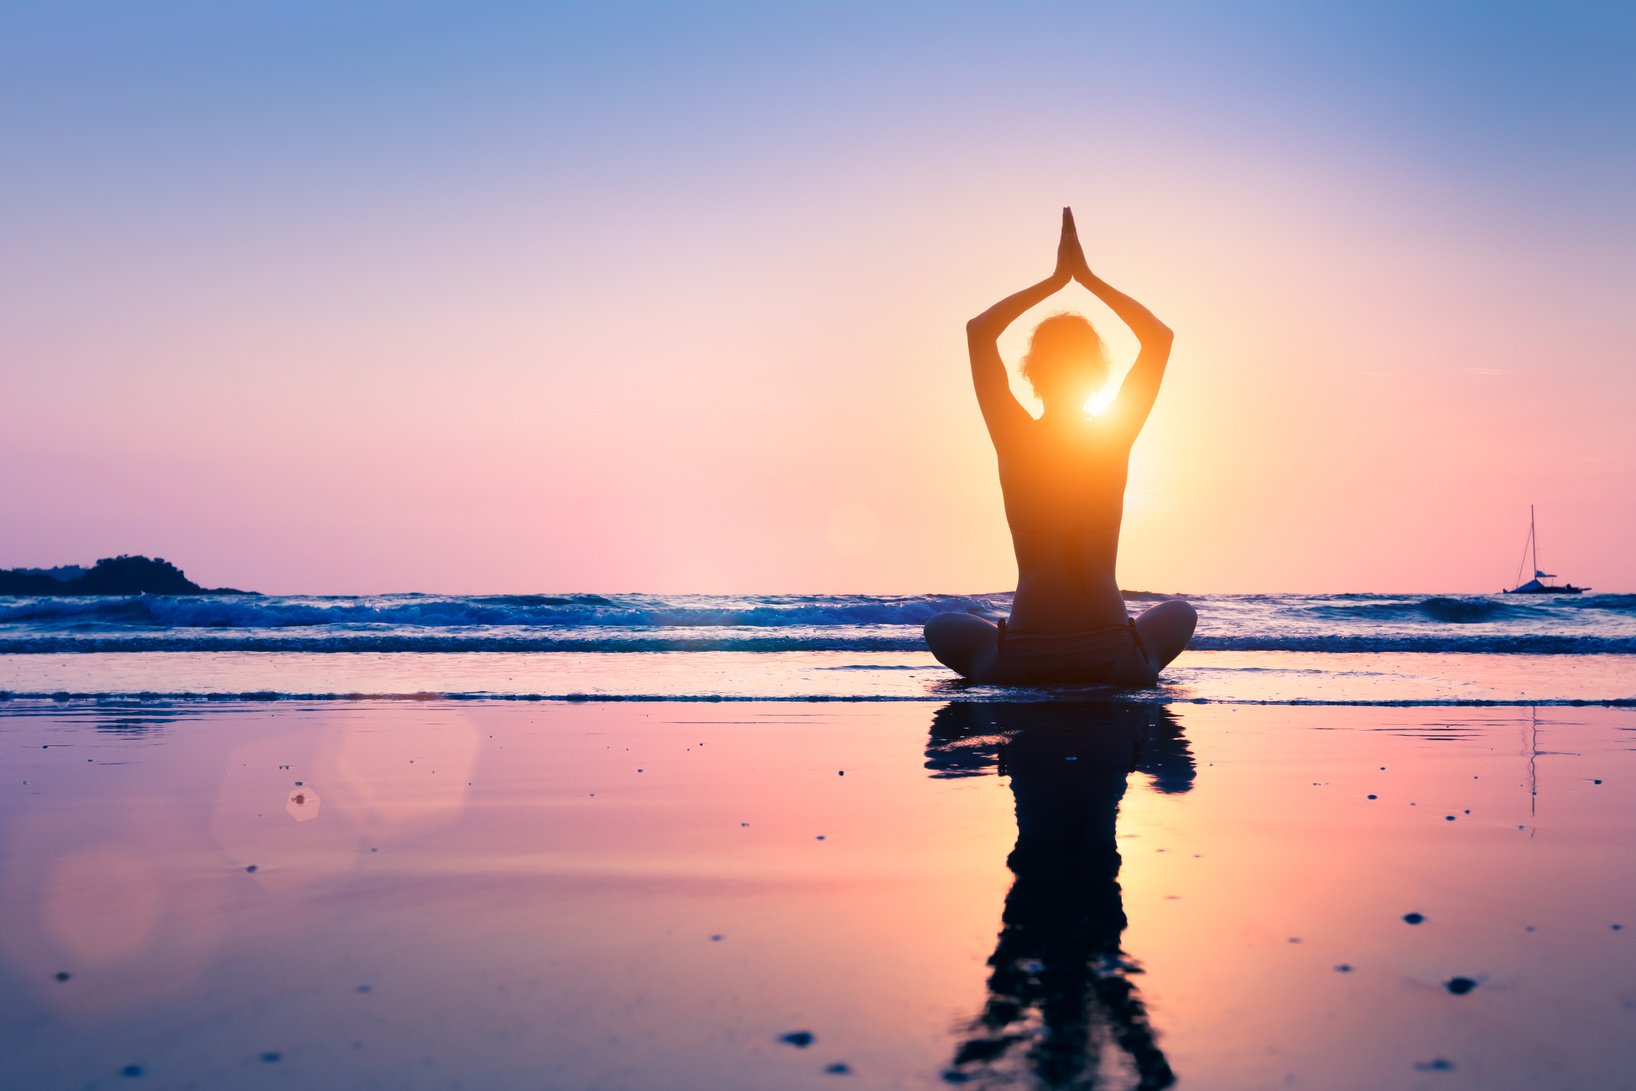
(1591, 624)
(778, 646)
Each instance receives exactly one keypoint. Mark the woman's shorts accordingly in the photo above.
(1103, 654)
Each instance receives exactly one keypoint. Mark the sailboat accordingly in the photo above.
(1534, 586)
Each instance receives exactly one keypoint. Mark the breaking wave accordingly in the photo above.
(729, 641)
(1491, 624)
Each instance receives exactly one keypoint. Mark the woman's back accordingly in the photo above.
(1064, 488)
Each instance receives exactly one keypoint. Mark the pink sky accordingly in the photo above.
(351, 335)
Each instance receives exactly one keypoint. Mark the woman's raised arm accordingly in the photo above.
(1141, 387)
(1001, 411)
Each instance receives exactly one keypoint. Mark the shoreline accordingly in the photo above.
(1383, 679)
(1009, 697)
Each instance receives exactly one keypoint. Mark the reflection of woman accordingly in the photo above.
(1063, 477)
(1061, 1004)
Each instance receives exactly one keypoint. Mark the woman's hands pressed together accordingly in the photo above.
(1071, 264)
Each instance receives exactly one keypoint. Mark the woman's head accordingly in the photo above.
(1066, 360)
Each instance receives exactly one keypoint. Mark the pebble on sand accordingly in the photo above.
(839, 1068)
(1435, 1065)
(800, 1039)
(1414, 918)
(1459, 986)
(64, 975)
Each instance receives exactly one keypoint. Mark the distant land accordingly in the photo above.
(121, 575)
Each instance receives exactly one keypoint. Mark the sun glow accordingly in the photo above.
(1096, 403)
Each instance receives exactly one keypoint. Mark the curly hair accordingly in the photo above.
(1061, 344)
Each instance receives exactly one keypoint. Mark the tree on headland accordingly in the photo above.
(128, 575)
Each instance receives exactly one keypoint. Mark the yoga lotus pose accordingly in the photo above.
(1063, 477)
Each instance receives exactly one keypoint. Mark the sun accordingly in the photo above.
(1096, 403)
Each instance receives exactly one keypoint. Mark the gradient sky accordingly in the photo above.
(463, 297)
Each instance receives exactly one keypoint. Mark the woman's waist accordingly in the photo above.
(1052, 606)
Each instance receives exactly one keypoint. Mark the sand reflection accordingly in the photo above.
(1062, 1008)
(403, 779)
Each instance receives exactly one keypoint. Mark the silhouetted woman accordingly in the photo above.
(1063, 477)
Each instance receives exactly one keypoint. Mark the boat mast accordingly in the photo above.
(1534, 538)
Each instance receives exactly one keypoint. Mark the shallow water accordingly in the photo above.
(1198, 676)
(657, 895)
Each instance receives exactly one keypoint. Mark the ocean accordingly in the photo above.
(1338, 648)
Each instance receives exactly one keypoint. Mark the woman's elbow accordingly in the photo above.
(981, 331)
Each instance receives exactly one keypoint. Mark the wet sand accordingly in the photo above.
(1403, 678)
(634, 895)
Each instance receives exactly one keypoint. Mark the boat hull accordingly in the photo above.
(1569, 590)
